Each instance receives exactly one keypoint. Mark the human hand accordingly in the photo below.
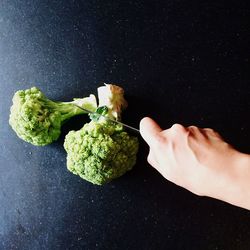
(196, 159)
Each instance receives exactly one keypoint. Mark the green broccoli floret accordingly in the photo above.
(102, 151)
(38, 120)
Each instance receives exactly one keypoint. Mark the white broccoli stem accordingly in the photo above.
(112, 96)
(88, 103)
(69, 109)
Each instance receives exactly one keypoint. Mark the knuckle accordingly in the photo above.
(149, 159)
(178, 128)
(194, 130)
(210, 130)
(192, 127)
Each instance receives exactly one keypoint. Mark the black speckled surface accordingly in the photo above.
(178, 61)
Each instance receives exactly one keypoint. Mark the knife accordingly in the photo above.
(110, 119)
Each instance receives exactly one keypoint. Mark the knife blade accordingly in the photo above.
(110, 119)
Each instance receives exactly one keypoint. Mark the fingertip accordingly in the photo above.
(144, 121)
(149, 129)
(149, 123)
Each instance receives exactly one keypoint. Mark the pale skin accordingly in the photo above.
(199, 160)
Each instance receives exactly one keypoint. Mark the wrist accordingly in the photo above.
(236, 189)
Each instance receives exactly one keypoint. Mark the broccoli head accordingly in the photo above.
(102, 151)
(38, 120)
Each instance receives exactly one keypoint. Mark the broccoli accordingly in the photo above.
(112, 97)
(102, 151)
(38, 120)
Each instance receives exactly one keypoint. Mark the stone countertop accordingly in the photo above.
(178, 61)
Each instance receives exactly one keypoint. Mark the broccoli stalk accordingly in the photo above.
(102, 151)
(38, 120)
(112, 97)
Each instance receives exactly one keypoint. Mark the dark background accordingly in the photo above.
(178, 61)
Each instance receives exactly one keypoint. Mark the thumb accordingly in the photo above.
(150, 130)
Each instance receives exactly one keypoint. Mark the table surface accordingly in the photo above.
(179, 62)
